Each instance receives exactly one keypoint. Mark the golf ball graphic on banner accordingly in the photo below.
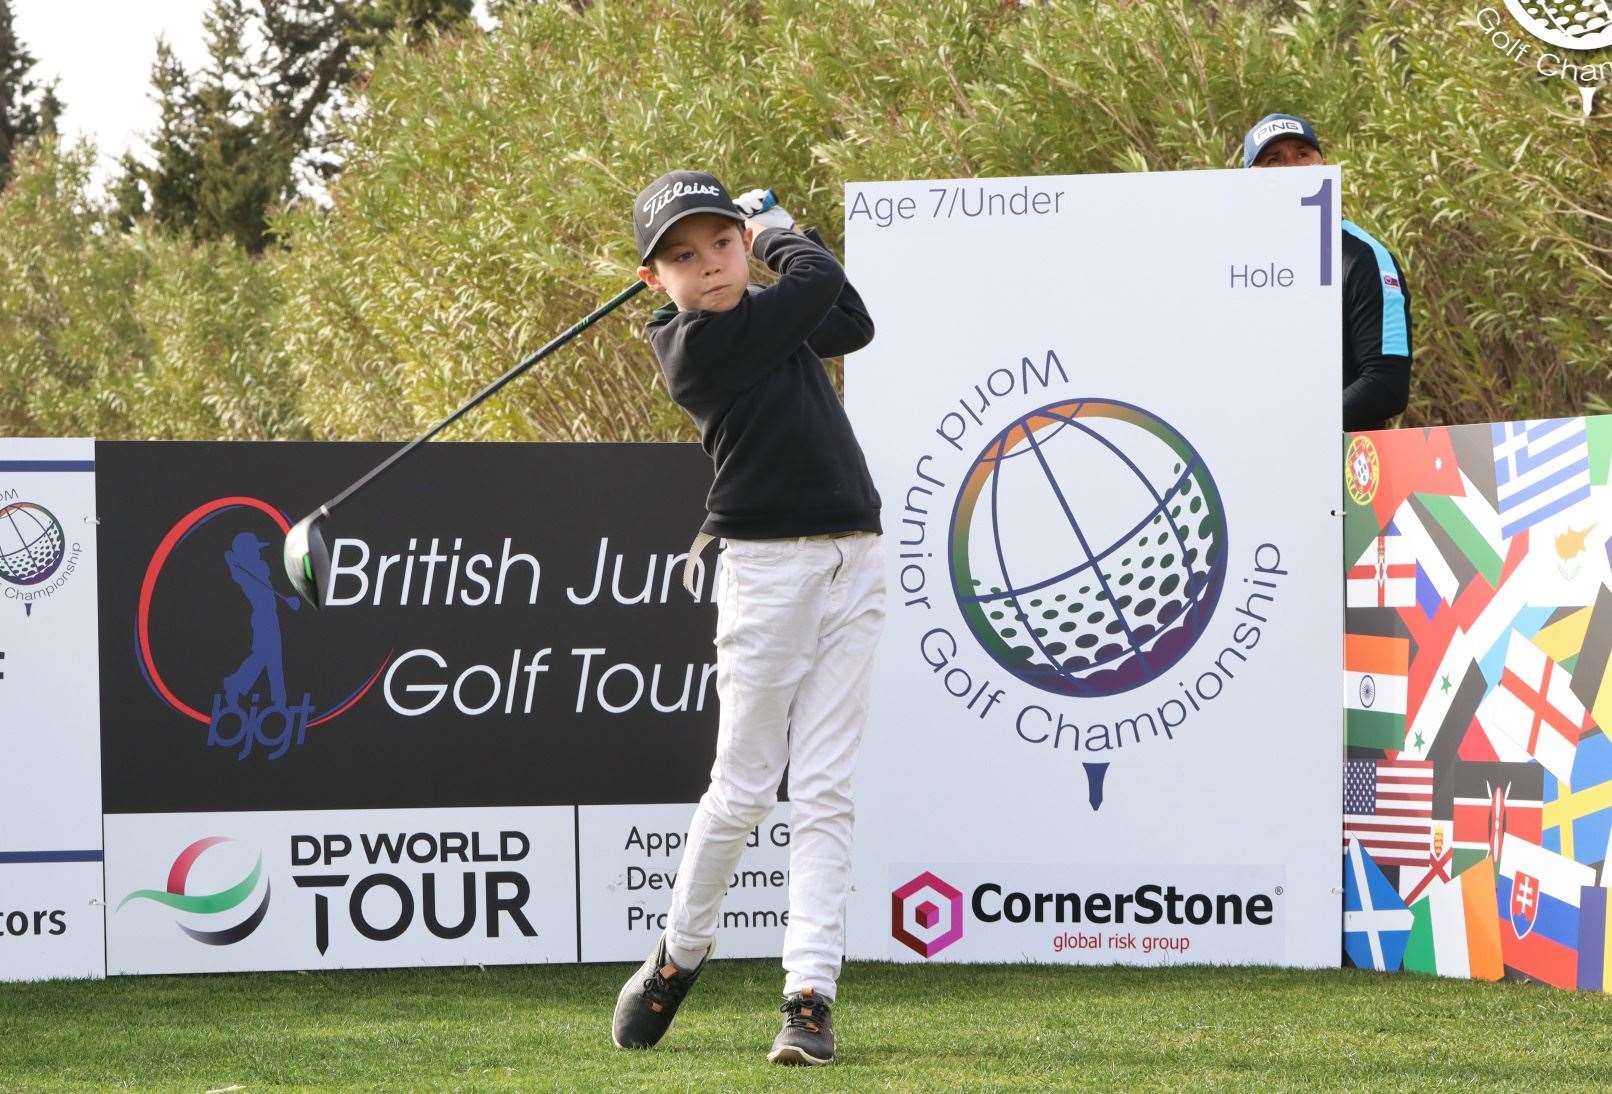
(1088, 547)
(1570, 24)
(32, 543)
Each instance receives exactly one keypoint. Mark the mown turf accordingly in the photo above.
(901, 1027)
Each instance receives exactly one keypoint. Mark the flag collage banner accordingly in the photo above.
(1477, 679)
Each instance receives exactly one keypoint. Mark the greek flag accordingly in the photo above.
(1540, 468)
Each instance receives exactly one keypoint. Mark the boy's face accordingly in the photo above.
(701, 263)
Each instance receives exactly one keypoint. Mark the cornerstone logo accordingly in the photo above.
(926, 915)
(250, 705)
(178, 896)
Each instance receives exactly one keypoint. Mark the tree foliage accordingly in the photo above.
(483, 201)
(135, 334)
(263, 119)
(28, 109)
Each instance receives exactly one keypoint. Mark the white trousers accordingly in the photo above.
(798, 621)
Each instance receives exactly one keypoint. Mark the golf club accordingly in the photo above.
(307, 557)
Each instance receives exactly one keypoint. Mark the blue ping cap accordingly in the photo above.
(1273, 127)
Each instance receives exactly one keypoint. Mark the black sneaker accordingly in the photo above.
(808, 1033)
(649, 1000)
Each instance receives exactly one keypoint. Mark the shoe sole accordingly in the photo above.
(792, 1055)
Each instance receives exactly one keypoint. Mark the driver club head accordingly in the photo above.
(307, 559)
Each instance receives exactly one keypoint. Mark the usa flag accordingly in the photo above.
(1388, 807)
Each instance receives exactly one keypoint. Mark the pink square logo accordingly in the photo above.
(921, 905)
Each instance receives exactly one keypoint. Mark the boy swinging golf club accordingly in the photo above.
(800, 593)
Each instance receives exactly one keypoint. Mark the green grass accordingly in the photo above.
(900, 1027)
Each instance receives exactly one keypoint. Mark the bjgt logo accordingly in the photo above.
(926, 914)
(251, 707)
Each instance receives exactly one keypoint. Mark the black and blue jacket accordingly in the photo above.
(1376, 332)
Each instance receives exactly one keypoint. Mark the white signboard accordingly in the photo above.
(50, 782)
(630, 855)
(1104, 416)
(226, 892)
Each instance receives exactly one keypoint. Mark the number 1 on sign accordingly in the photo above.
(1322, 200)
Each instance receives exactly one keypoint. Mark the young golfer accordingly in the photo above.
(801, 588)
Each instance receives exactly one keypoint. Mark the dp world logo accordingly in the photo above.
(926, 915)
(218, 909)
(1570, 24)
(32, 544)
(1088, 547)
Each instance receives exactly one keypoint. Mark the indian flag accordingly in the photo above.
(1455, 928)
(1374, 686)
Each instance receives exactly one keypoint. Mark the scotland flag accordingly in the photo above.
(1376, 923)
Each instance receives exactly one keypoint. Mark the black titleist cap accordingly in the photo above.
(672, 197)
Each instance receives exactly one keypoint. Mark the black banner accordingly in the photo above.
(507, 627)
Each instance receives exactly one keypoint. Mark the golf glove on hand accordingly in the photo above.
(751, 203)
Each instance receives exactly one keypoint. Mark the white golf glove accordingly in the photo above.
(753, 204)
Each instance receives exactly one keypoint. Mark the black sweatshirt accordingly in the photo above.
(752, 378)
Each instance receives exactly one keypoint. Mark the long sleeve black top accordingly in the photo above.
(752, 379)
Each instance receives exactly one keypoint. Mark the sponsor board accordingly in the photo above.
(1089, 915)
(50, 782)
(1113, 542)
(50, 785)
(477, 648)
(50, 920)
(227, 892)
(629, 857)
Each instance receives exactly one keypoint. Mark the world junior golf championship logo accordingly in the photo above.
(32, 544)
(1570, 24)
(216, 912)
(1088, 547)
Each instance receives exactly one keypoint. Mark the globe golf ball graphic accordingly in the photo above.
(1572, 24)
(1088, 547)
(31, 543)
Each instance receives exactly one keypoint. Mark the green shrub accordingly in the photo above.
(135, 334)
(485, 203)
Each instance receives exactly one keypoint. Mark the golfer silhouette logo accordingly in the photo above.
(276, 725)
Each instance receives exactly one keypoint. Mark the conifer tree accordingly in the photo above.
(258, 123)
(27, 108)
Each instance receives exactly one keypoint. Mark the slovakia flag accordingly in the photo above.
(1538, 892)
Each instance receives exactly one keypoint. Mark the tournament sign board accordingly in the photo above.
(51, 924)
(1103, 415)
